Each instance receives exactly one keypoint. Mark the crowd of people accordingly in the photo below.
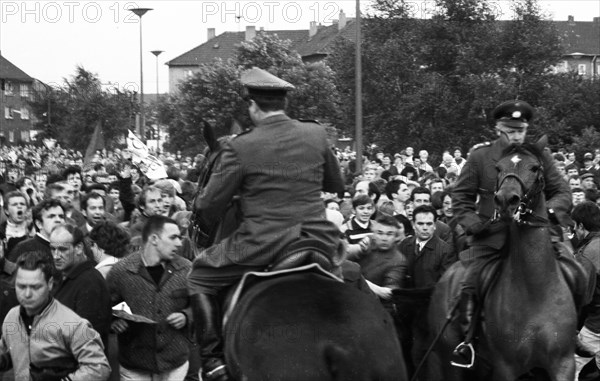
(67, 228)
(74, 225)
(398, 217)
(100, 279)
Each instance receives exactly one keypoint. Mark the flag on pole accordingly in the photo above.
(96, 143)
(140, 156)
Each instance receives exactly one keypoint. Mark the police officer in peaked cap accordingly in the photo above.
(279, 169)
(485, 236)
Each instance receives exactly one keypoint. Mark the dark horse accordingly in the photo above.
(302, 325)
(529, 313)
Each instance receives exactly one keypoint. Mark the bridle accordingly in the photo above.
(524, 214)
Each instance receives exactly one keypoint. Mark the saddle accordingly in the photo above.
(251, 279)
(578, 279)
(303, 255)
(300, 253)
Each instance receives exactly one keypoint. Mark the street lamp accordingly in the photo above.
(140, 12)
(358, 83)
(156, 54)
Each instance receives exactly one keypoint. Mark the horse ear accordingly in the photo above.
(236, 127)
(209, 136)
(542, 143)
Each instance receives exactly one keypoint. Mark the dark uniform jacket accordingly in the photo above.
(478, 177)
(279, 170)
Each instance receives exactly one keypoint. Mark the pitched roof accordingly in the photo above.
(224, 45)
(322, 42)
(579, 36)
(576, 36)
(9, 71)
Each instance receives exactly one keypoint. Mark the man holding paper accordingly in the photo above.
(153, 283)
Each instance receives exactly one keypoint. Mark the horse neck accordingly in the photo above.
(531, 255)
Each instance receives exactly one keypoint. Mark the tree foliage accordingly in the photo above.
(432, 83)
(78, 105)
(214, 93)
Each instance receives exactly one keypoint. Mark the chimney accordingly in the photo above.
(571, 19)
(250, 32)
(210, 34)
(343, 21)
(313, 29)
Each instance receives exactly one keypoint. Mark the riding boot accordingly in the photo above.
(207, 318)
(464, 354)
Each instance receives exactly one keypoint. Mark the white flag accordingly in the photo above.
(140, 156)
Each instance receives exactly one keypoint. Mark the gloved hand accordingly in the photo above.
(479, 228)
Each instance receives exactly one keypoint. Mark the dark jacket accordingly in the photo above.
(153, 348)
(8, 297)
(279, 169)
(11, 243)
(478, 178)
(383, 268)
(36, 243)
(589, 249)
(84, 290)
(424, 270)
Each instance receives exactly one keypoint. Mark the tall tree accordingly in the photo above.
(79, 104)
(214, 93)
(432, 83)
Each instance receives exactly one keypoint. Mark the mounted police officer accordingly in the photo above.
(473, 205)
(278, 169)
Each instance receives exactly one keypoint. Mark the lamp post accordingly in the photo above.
(156, 54)
(140, 12)
(358, 100)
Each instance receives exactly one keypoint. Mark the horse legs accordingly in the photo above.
(563, 370)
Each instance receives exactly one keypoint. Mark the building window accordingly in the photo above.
(24, 113)
(24, 90)
(8, 112)
(581, 69)
(11, 136)
(8, 88)
(25, 136)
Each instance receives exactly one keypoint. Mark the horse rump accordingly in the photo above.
(309, 327)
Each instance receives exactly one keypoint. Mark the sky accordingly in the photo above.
(49, 39)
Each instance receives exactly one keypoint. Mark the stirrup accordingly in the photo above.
(458, 348)
(218, 373)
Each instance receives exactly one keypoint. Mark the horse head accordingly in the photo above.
(520, 181)
(203, 232)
